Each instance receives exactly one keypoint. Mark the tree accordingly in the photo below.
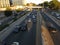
(54, 4)
(40, 4)
(57, 3)
(46, 4)
(27, 4)
(51, 5)
(31, 4)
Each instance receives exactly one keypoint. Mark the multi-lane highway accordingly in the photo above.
(5, 32)
(49, 18)
(27, 29)
(55, 36)
(24, 37)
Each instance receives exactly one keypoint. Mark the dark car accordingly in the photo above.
(16, 28)
(58, 17)
(34, 20)
(23, 27)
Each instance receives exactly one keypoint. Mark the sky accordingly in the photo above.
(36, 1)
(59, 0)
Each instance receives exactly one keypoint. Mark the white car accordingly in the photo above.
(29, 20)
(15, 43)
(58, 18)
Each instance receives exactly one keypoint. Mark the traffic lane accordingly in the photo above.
(55, 37)
(7, 31)
(24, 38)
(11, 37)
(29, 38)
(14, 37)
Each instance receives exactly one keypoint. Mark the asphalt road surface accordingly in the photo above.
(23, 37)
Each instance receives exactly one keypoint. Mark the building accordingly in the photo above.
(10, 2)
(24, 2)
(4, 3)
(17, 2)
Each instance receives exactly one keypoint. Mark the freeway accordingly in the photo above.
(33, 33)
(46, 37)
(55, 35)
(49, 18)
(23, 37)
(9, 29)
(53, 18)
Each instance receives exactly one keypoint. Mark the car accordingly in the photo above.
(58, 17)
(57, 14)
(53, 13)
(34, 20)
(23, 27)
(16, 29)
(52, 29)
(29, 20)
(33, 16)
(15, 43)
